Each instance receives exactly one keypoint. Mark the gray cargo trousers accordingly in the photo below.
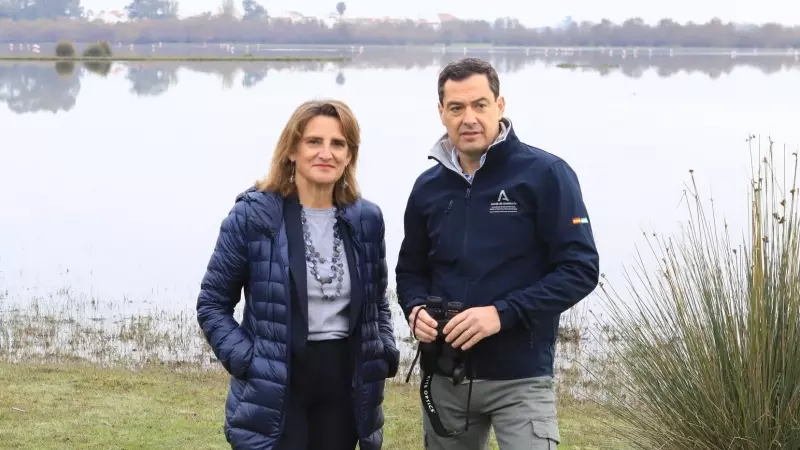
(522, 413)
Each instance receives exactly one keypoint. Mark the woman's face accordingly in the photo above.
(322, 153)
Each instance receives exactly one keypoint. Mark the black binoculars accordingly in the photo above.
(450, 360)
(440, 357)
(442, 312)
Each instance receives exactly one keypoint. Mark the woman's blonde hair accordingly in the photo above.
(279, 178)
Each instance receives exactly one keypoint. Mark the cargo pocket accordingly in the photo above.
(545, 435)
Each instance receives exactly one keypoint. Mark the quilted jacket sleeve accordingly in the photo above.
(384, 311)
(220, 291)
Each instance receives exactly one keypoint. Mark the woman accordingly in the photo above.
(309, 361)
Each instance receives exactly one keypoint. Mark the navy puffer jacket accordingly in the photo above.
(251, 253)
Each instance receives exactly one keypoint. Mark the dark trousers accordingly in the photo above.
(320, 413)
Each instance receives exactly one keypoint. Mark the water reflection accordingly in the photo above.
(65, 68)
(33, 87)
(253, 77)
(101, 68)
(128, 217)
(30, 88)
(151, 81)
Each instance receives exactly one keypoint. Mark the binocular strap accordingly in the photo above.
(427, 363)
(426, 396)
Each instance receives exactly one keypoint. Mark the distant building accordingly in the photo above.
(113, 16)
(333, 18)
(369, 20)
(433, 21)
(292, 17)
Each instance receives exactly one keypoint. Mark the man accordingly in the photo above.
(500, 227)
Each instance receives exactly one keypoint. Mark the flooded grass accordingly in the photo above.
(65, 326)
(68, 361)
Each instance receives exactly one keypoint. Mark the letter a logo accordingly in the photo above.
(502, 197)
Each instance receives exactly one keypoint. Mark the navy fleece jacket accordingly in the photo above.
(517, 237)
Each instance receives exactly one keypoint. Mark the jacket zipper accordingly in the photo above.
(351, 339)
(357, 249)
(466, 234)
(466, 213)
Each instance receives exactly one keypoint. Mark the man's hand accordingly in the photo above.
(471, 326)
(425, 329)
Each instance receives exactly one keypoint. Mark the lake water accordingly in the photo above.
(113, 188)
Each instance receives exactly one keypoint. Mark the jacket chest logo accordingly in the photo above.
(503, 204)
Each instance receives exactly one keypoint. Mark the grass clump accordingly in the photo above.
(710, 344)
(98, 50)
(65, 49)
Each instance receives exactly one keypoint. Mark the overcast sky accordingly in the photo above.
(530, 13)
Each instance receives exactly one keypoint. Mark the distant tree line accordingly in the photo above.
(40, 9)
(259, 28)
(27, 88)
(135, 9)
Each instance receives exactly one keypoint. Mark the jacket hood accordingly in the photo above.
(442, 148)
(265, 209)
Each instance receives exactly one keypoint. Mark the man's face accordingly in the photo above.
(471, 114)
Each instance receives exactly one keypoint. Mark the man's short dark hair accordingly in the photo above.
(465, 68)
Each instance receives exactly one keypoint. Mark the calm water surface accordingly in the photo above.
(114, 187)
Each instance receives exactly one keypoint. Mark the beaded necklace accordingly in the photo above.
(314, 260)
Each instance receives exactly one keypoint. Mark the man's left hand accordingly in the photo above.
(471, 326)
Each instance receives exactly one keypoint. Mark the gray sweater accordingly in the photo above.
(327, 319)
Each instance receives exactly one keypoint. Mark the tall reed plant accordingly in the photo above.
(709, 338)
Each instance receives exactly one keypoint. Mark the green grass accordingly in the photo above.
(177, 58)
(77, 405)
